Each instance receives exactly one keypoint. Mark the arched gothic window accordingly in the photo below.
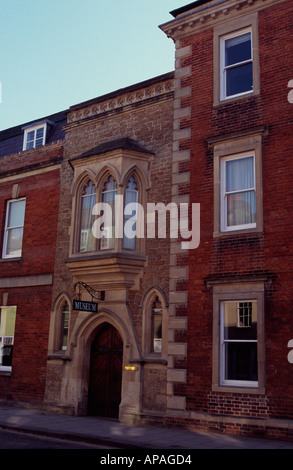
(155, 318)
(120, 226)
(64, 327)
(59, 326)
(109, 195)
(86, 242)
(131, 197)
(157, 323)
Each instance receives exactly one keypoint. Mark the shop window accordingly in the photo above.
(7, 327)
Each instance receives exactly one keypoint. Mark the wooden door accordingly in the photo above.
(104, 394)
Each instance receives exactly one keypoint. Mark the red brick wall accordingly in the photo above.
(32, 159)
(42, 201)
(27, 382)
(270, 251)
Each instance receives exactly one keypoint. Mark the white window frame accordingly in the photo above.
(238, 292)
(224, 68)
(34, 129)
(6, 339)
(7, 229)
(224, 194)
(223, 342)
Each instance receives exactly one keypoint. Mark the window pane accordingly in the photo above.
(39, 137)
(241, 209)
(40, 133)
(30, 145)
(16, 213)
(89, 190)
(110, 185)
(30, 136)
(238, 49)
(64, 327)
(240, 174)
(157, 326)
(233, 320)
(241, 204)
(109, 196)
(130, 197)
(132, 184)
(39, 142)
(30, 140)
(87, 219)
(239, 79)
(241, 361)
(14, 242)
(7, 326)
(244, 314)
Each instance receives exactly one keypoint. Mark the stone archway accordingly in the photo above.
(73, 369)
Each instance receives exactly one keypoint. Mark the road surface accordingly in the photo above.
(20, 440)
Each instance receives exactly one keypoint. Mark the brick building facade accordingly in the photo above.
(232, 117)
(116, 145)
(183, 337)
(30, 157)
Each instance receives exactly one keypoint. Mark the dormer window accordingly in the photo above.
(34, 136)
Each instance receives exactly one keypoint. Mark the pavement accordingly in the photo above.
(110, 432)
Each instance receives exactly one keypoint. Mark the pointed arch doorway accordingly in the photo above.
(105, 380)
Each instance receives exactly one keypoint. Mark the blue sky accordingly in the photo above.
(57, 53)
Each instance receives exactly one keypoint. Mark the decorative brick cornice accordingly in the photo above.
(207, 16)
(122, 100)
